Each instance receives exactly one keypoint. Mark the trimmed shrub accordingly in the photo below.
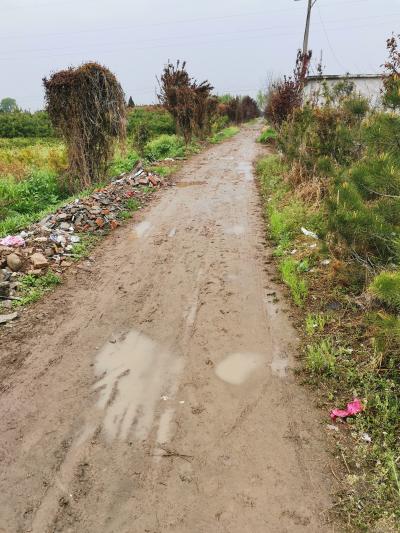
(87, 107)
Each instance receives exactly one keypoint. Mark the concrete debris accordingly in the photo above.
(50, 243)
(7, 318)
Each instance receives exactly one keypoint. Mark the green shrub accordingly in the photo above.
(364, 209)
(357, 106)
(268, 136)
(386, 287)
(123, 163)
(25, 124)
(157, 120)
(293, 280)
(163, 147)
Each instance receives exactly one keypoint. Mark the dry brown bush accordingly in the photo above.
(87, 107)
(189, 102)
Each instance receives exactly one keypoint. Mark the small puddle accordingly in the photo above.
(235, 230)
(142, 228)
(189, 183)
(247, 170)
(172, 233)
(134, 373)
(238, 367)
(279, 365)
(164, 426)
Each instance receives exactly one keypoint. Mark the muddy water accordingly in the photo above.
(238, 367)
(134, 372)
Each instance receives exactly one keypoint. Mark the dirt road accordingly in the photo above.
(153, 391)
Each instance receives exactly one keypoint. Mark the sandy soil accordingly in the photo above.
(154, 390)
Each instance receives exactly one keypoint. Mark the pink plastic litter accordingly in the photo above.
(352, 408)
(12, 240)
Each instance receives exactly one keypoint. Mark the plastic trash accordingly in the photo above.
(352, 408)
(12, 240)
(309, 233)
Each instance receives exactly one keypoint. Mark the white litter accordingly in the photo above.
(309, 233)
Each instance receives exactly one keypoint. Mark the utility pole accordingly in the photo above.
(311, 4)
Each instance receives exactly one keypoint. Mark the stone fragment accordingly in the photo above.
(14, 262)
(39, 261)
(7, 318)
(4, 289)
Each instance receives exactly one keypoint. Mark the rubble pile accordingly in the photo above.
(50, 242)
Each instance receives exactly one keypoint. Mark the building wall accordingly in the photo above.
(369, 87)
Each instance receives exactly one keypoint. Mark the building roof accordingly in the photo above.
(344, 77)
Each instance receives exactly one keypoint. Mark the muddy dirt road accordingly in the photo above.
(153, 391)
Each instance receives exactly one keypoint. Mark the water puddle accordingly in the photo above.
(279, 365)
(189, 183)
(134, 373)
(235, 230)
(247, 170)
(142, 228)
(238, 367)
(172, 233)
(164, 426)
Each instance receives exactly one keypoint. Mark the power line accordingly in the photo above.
(206, 35)
(167, 23)
(329, 42)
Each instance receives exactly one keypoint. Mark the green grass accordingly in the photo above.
(165, 146)
(82, 249)
(321, 356)
(268, 136)
(386, 287)
(32, 288)
(224, 134)
(296, 284)
(315, 322)
(348, 353)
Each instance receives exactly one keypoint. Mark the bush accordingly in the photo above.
(364, 209)
(165, 146)
(386, 287)
(391, 92)
(156, 119)
(87, 107)
(268, 136)
(189, 102)
(25, 124)
(287, 95)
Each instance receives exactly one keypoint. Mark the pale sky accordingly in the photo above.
(235, 44)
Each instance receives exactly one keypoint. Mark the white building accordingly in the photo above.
(368, 85)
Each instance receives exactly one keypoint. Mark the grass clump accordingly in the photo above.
(268, 136)
(315, 322)
(165, 146)
(321, 357)
(290, 276)
(32, 287)
(386, 288)
(224, 134)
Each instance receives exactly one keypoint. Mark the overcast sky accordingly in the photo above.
(233, 43)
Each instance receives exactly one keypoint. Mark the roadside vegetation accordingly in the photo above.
(332, 206)
(44, 156)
